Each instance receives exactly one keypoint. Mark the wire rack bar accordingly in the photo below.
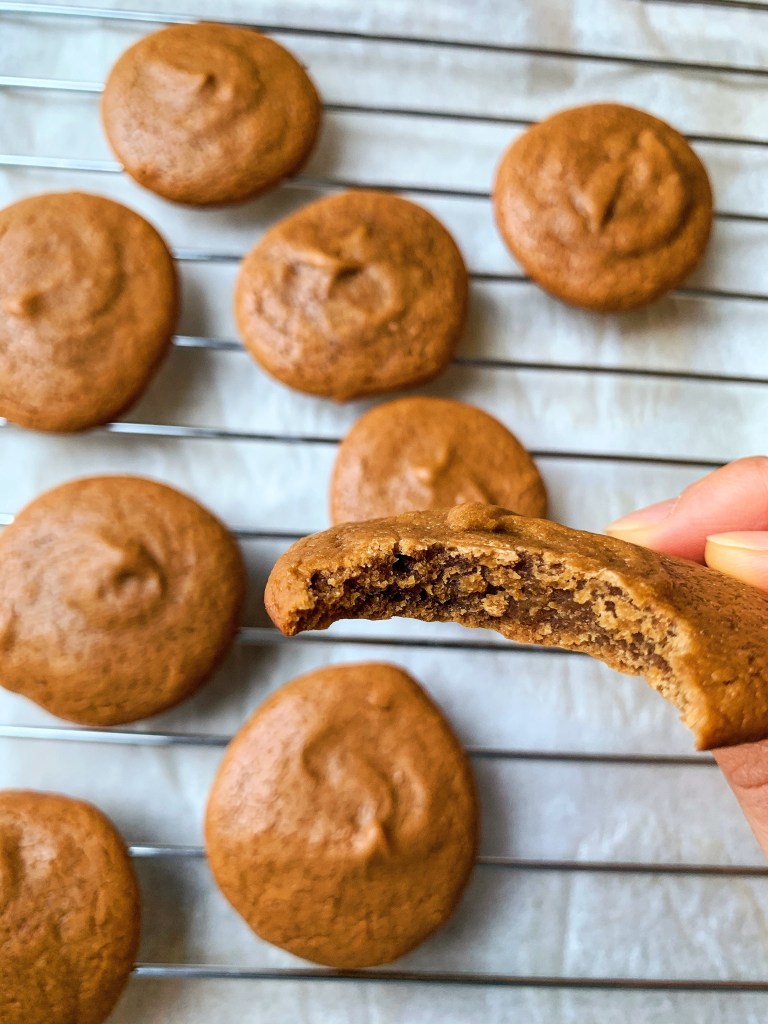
(53, 163)
(739, 5)
(211, 973)
(206, 343)
(130, 737)
(302, 182)
(258, 636)
(492, 363)
(181, 431)
(553, 53)
(165, 851)
(172, 852)
(66, 85)
(201, 256)
(242, 533)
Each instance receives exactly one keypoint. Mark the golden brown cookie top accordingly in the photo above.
(209, 113)
(88, 303)
(69, 911)
(605, 206)
(355, 294)
(422, 453)
(120, 595)
(698, 637)
(342, 823)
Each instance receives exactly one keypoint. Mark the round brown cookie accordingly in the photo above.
(120, 596)
(88, 304)
(69, 911)
(208, 113)
(422, 453)
(342, 823)
(604, 206)
(698, 637)
(355, 294)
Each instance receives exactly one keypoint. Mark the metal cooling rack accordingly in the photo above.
(258, 635)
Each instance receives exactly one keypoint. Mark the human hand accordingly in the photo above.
(721, 521)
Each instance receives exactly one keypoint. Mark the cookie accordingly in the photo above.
(88, 305)
(696, 635)
(69, 911)
(120, 596)
(605, 206)
(423, 453)
(355, 294)
(342, 823)
(206, 114)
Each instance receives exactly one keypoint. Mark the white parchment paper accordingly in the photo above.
(565, 392)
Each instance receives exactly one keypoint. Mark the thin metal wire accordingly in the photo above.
(485, 362)
(46, 84)
(202, 256)
(462, 978)
(143, 851)
(745, 5)
(172, 852)
(197, 433)
(351, 35)
(184, 432)
(54, 163)
(137, 738)
(375, 110)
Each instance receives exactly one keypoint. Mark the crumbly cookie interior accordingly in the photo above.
(534, 598)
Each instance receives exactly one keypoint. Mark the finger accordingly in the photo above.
(746, 769)
(733, 498)
(741, 555)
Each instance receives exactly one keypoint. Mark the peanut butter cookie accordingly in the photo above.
(69, 911)
(88, 305)
(605, 206)
(120, 595)
(355, 294)
(698, 637)
(206, 113)
(422, 453)
(342, 823)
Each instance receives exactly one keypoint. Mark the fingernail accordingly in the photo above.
(643, 518)
(741, 555)
(746, 541)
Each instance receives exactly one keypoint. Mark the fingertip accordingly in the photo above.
(640, 525)
(662, 528)
(645, 536)
(742, 555)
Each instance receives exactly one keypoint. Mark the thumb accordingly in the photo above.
(745, 557)
(733, 498)
(742, 555)
(746, 769)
